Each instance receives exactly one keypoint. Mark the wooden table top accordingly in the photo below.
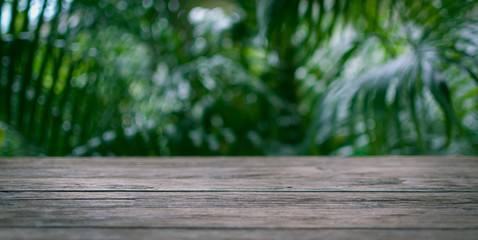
(239, 198)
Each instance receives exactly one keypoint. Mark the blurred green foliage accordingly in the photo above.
(238, 77)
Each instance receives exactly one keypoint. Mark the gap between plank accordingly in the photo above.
(240, 228)
(247, 191)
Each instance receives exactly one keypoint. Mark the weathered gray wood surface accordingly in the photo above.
(239, 198)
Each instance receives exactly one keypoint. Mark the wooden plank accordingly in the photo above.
(240, 210)
(246, 185)
(212, 234)
(242, 174)
(282, 161)
(243, 197)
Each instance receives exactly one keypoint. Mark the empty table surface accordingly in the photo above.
(239, 198)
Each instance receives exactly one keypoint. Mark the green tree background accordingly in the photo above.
(238, 77)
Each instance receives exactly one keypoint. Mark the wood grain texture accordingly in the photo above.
(239, 198)
(236, 210)
(213, 234)
(245, 174)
